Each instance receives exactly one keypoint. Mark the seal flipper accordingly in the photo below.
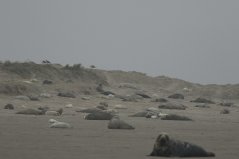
(153, 153)
(211, 154)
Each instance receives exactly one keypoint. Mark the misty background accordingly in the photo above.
(194, 40)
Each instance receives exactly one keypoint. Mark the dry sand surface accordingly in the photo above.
(29, 136)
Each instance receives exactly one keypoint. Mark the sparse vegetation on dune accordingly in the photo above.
(78, 74)
(49, 71)
(28, 70)
(17, 88)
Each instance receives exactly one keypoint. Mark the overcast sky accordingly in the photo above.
(194, 40)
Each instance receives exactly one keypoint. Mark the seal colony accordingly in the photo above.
(40, 101)
(168, 147)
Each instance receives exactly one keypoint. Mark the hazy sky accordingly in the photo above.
(195, 40)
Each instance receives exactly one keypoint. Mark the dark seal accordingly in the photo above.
(167, 147)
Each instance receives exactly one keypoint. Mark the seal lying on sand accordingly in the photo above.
(54, 113)
(165, 146)
(140, 114)
(31, 111)
(202, 100)
(52, 121)
(172, 106)
(9, 106)
(146, 113)
(89, 110)
(102, 106)
(99, 116)
(175, 117)
(43, 108)
(202, 106)
(58, 124)
(224, 111)
(176, 96)
(116, 123)
(163, 100)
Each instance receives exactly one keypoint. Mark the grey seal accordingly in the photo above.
(168, 147)
(117, 123)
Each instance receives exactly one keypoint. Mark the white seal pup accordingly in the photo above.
(54, 113)
(52, 121)
(69, 106)
(58, 124)
(118, 106)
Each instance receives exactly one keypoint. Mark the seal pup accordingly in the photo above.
(54, 113)
(103, 106)
(225, 111)
(58, 124)
(161, 115)
(9, 106)
(69, 106)
(22, 97)
(152, 114)
(52, 121)
(45, 95)
(118, 106)
(116, 123)
(167, 147)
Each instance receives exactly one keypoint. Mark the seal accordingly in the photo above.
(172, 106)
(116, 123)
(146, 113)
(98, 116)
(139, 114)
(31, 111)
(175, 117)
(167, 147)
(89, 110)
(9, 106)
(54, 113)
(58, 124)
